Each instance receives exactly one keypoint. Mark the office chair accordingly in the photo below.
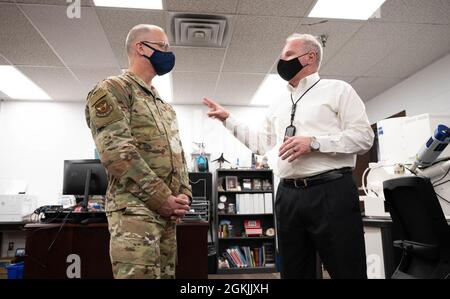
(419, 219)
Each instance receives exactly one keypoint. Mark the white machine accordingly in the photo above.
(402, 152)
(14, 203)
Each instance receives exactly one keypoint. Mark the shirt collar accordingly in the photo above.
(149, 89)
(304, 84)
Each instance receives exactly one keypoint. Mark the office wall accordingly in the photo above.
(36, 137)
(427, 91)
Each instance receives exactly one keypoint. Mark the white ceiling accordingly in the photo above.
(66, 57)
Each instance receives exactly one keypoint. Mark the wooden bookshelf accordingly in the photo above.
(237, 239)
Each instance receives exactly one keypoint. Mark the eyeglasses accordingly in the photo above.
(162, 44)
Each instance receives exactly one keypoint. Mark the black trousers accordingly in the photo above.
(326, 219)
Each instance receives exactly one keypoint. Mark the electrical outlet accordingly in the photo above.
(11, 246)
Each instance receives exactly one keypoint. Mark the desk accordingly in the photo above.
(192, 242)
(89, 242)
(86, 248)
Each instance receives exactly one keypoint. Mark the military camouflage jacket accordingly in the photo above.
(136, 135)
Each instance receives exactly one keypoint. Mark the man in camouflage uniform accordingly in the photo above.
(136, 134)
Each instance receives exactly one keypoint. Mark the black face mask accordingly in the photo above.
(287, 69)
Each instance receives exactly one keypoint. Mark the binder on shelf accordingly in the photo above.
(238, 203)
(268, 203)
(261, 203)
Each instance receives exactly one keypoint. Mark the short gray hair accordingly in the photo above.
(310, 43)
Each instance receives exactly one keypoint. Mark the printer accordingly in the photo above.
(15, 204)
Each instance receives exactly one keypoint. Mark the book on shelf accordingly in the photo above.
(269, 253)
(246, 257)
(230, 261)
(256, 203)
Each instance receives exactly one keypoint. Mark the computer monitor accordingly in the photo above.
(84, 177)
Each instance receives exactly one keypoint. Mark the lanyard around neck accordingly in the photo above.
(294, 105)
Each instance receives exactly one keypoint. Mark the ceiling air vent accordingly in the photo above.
(200, 30)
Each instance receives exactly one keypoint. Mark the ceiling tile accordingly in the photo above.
(416, 11)
(20, 42)
(118, 22)
(342, 78)
(192, 87)
(339, 33)
(55, 2)
(369, 46)
(202, 6)
(58, 82)
(427, 45)
(237, 88)
(257, 42)
(79, 42)
(3, 61)
(285, 8)
(369, 87)
(89, 77)
(198, 59)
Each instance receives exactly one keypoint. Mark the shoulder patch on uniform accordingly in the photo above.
(97, 95)
(103, 109)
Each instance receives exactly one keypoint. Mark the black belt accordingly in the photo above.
(316, 179)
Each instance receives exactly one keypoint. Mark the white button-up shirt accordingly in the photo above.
(331, 111)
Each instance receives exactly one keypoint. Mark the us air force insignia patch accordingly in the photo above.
(103, 108)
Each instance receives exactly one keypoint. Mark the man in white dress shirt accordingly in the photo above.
(321, 128)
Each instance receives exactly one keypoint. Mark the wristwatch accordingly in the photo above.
(314, 145)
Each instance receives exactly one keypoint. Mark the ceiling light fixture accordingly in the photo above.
(17, 86)
(140, 4)
(270, 90)
(345, 9)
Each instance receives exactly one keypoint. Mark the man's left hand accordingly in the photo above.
(183, 199)
(294, 147)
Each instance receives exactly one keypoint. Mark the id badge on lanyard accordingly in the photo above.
(291, 129)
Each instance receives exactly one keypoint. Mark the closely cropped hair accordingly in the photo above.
(310, 43)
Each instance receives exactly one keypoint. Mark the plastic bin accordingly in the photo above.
(15, 271)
